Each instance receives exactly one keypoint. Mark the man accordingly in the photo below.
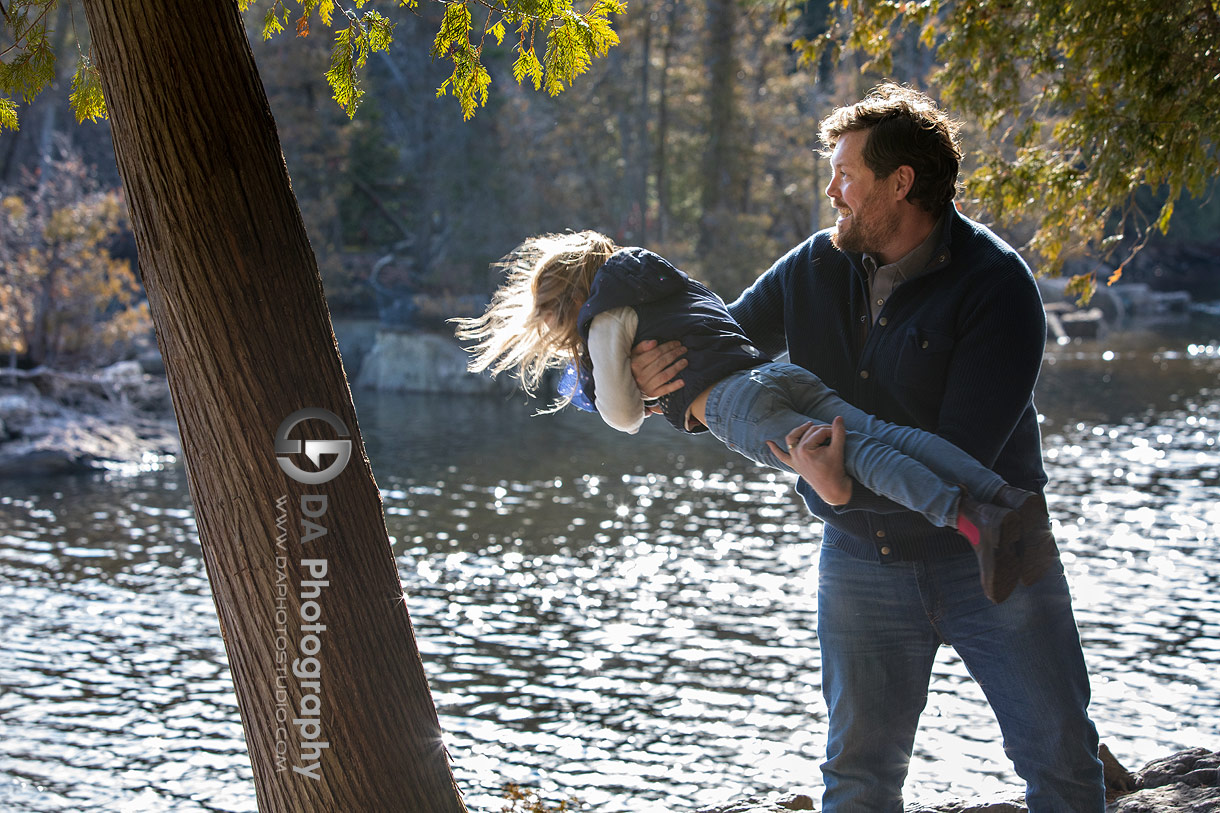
(922, 317)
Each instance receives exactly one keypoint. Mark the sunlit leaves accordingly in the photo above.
(86, 98)
(528, 66)
(454, 31)
(372, 32)
(341, 75)
(325, 9)
(29, 61)
(469, 81)
(571, 40)
(380, 31)
(1081, 287)
(271, 24)
(1088, 101)
(498, 32)
(568, 40)
(8, 114)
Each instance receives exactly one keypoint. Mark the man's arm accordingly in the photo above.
(995, 367)
(760, 308)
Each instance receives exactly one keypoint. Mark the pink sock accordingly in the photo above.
(968, 529)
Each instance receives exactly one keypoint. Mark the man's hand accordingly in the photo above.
(655, 368)
(815, 452)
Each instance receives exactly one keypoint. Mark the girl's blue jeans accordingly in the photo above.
(910, 466)
(879, 627)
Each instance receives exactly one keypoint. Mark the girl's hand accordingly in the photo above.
(815, 452)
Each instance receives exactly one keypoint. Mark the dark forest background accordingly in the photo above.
(695, 137)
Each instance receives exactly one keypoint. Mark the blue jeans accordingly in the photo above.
(909, 466)
(879, 626)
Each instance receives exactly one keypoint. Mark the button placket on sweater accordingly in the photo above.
(876, 522)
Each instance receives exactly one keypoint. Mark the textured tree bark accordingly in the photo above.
(672, 8)
(300, 572)
(723, 160)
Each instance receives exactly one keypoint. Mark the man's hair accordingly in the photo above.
(905, 127)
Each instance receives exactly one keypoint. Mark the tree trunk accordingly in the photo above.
(333, 697)
(720, 160)
(662, 160)
(640, 172)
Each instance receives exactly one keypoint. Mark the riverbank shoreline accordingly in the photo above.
(1185, 782)
(121, 417)
(117, 418)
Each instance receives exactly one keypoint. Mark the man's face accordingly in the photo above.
(868, 217)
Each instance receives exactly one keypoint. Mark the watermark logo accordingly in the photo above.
(313, 449)
(299, 668)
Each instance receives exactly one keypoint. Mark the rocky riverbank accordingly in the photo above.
(1185, 782)
(118, 418)
(121, 417)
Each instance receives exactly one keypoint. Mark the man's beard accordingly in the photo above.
(866, 235)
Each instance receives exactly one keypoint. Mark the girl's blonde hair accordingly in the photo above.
(547, 276)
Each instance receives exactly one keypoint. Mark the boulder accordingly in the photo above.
(18, 410)
(73, 442)
(122, 374)
(129, 384)
(1185, 782)
(119, 417)
(422, 362)
(1195, 767)
(1169, 799)
(761, 804)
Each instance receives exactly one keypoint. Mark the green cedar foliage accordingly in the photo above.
(1088, 102)
(572, 39)
(28, 63)
(86, 99)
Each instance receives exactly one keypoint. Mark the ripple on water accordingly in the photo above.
(625, 621)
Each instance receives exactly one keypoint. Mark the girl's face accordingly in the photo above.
(556, 315)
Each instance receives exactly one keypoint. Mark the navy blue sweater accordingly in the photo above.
(955, 351)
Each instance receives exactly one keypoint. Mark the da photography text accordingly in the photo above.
(299, 596)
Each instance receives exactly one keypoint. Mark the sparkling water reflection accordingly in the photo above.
(626, 621)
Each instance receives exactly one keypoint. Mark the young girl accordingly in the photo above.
(579, 300)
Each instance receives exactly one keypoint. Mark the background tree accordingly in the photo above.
(64, 300)
(1087, 104)
(579, 164)
(726, 156)
(408, 197)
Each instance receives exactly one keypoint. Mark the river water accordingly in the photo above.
(627, 622)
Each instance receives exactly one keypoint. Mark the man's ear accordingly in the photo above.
(903, 179)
